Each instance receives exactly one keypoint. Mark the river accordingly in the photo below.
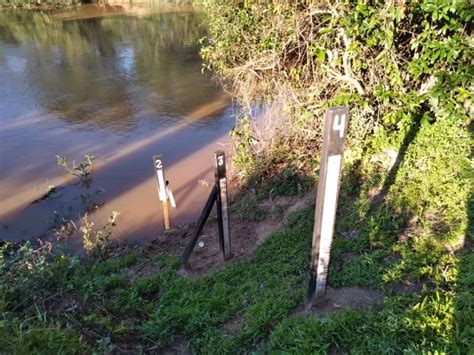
(121, 84)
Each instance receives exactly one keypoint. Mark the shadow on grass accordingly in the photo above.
(464, 300)
(379, 198)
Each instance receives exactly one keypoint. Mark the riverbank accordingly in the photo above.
(392, 285)
(400, 276)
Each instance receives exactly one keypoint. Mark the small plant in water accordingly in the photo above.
(51, 192)
(63, 225)
(65, 230)
(97, 241)
(82, 171)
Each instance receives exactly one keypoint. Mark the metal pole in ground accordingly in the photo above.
(334, 133)
(200, 225)
(222, 204)
(160, 175)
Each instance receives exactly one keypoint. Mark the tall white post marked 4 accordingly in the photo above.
(334, 134)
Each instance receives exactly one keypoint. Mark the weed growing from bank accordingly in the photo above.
(97, 240)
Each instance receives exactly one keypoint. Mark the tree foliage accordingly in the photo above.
(393, 62)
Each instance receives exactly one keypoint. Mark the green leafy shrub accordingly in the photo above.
(392, 63)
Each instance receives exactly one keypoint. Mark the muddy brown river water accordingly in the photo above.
(117, 84)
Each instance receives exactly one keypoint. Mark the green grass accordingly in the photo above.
(286, 183)
(426, 203)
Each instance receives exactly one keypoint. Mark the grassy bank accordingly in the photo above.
(405, 246)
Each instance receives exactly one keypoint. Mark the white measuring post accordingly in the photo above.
(222, 204)
(334, 134)
(162, 189)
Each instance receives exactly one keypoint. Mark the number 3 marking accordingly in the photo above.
(339, 125)
(220, 160)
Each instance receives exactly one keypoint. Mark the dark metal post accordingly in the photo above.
(160, 175)
(200, 225)
(334, 133)
(222, 204)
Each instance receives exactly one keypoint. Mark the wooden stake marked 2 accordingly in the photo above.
(162, 193)
(334, 133)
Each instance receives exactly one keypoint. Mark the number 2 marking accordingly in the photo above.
(339, 125)
(158, 164)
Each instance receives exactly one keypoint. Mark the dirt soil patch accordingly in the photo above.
(141, 270)
(207, 256)
(406, 288)
(230, 327)
(245, 237)
(339, 299)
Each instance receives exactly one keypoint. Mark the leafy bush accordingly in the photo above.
(392, 63)
(22, 269)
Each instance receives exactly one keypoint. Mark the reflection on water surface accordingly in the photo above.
(119, 87)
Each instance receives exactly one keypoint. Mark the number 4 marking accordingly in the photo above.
(339, 125)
